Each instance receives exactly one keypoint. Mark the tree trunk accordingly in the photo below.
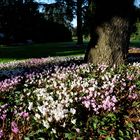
(79, 23)
(111, 32)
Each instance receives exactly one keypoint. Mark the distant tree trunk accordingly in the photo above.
(110, 32)
(79, 23)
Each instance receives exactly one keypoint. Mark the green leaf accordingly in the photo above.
(121, 133)
(112, 116)
(79, 138)
(108, 138)
(41, 139)
(69, 135)
(138, 84)
(103, 132)
(120, 138)
(128, 134)
(26, 138)
(94, 126)
(130, 125)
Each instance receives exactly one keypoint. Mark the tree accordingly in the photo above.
(68, 9)
(111, 29)
(136, 31)
(61, 11)
(79, 22)
(17, 19)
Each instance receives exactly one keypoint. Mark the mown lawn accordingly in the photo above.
(8, 53)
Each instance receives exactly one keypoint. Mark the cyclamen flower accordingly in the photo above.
(77, 130)
(86, 103)
(132, 88)
(133, 96)
(73, 111)
(109, 103)
(73, 121)
(4, 106)
(136, 138)
(46, 124)
(53, 131)
(3, 117)
(24, 114)
(114, 99)
(14, 127)
(30, 106)
(1, 134)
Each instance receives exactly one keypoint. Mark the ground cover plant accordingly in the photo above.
(64, 98)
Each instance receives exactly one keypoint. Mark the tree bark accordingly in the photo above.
(79, 23)
(110, 33)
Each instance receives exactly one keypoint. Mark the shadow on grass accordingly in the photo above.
(9, 53)
(135, 44)
(41, 50)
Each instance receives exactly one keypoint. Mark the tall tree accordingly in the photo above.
(61, 11)
(79, 22)
(17, 17)
(111, 29)
(73, 8)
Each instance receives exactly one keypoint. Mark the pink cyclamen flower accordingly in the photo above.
(108, 104)
(14, 127)
(86, 103)
(133, 96)
(24, 114)
(136, 138)
(3, 117)
(1, 134)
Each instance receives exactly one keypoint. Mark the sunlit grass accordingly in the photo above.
(2, 60)
(10, 53)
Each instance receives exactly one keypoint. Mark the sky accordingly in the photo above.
(137, 3)
(45, 1)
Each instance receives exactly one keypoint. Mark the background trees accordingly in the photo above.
(20, 18)
(21, 21)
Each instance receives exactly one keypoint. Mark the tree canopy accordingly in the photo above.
(21, 20)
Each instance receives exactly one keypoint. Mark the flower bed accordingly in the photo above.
(63, 98)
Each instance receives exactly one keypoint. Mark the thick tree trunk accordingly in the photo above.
(111, 33)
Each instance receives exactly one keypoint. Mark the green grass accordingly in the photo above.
(135, 43)
(10, 53)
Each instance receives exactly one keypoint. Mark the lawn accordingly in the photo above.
(8, 53)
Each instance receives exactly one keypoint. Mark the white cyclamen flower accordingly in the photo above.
(42, 109)
(37, 116)
(30, 106)
(46, 124)
(73, 111)
(73, 121)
